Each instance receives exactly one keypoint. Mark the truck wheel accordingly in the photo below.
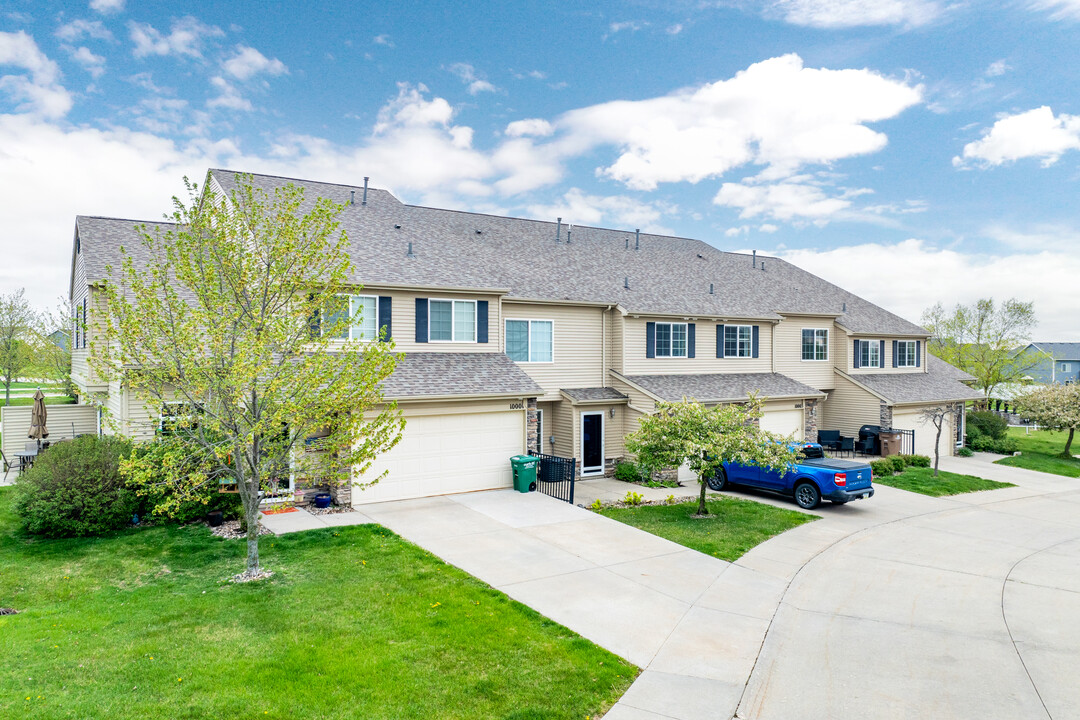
(719, 481)
(807, 496)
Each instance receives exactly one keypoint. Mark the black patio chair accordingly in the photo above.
(847, 445)
(7, 465)
(829, 439)
(865, 446)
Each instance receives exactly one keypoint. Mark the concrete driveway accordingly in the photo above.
(902, 606)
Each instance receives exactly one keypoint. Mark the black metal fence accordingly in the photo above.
(555, 476)
(907, 441)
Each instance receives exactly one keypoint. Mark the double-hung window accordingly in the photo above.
(178, 415)
(530, 340)
(452, 321)
(361, 312)
(870, 354)
(738, 341)
(905, 353)
(671, 340)
(815, 344)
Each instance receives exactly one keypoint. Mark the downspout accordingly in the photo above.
(99, 420)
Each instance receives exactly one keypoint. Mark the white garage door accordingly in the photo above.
(784, 422)
(925, 433)
(440, 454)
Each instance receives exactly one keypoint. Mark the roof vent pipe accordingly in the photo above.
(364, 201)
(755, 258)
(710, 289)
(845, 307)
(352, 197)
(763, 265)
(626, 282)
(637, 239)
(627, 243)
(410, 253)
(558, 229)
(569, 229)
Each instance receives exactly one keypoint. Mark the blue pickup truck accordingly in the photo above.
(810, 480)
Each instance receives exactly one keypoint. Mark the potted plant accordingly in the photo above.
(322, 500)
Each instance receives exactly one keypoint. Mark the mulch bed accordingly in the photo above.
(332, 510)
(230, 530)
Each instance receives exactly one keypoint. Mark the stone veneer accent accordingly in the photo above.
(886, 416)
(810, 419)
(532, 441)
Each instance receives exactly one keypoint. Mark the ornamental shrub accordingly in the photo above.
(75, 489)
(917, 460)
(981, 443)
(882, 468)
(988, 423)
(964, 452)
(628, 471)
(175, 482)
(897, 463)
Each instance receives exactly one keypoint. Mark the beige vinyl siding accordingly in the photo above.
(115, 410)
(577, 349)
(403, 321)
(886, 364)
(848, 408)
(787, 352)
(635, 362)
(85, 380)
(15, 424)
(548, 426)
(840, 349)
(564, 429)
(640, 401)
(614, 431)
(616, 340)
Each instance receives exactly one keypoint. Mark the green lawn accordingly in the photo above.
(33, 386)
(57, 400)
(732, 527)
(922, 480)
(1040, 450)
(355, 623)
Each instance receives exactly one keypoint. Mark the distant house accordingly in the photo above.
(61, 339)
(1060, 362)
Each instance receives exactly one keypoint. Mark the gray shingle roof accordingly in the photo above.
(100, 240)
(593, 393)
(939, 384)
(722, 387)
(1060, 350)
(446, 374)
(937, 365)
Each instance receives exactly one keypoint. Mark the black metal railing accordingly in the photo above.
(555, 476)
(907, 441)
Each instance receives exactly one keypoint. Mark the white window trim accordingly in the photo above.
(349, 308)
(603, 450)
(162, 415)
(880, 360)
(911, 356)
(749, 347)
(453, 321)
(530, 321)
(656, 346)
(827, 340)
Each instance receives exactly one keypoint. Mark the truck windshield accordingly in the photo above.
(812, 453)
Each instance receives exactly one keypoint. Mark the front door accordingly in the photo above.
(592, 443)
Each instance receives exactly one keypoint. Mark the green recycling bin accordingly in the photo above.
(524, 469)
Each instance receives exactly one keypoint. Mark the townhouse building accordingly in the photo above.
(533, 336)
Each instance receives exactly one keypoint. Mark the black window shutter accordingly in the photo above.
(481, 321)
(650, 339)
(894, 358)
(720, 341)
(881, 355)
(691, 340)
(857, 361)
(754, 341)
(385, 314)
(85, 325)
(918, 353)
(421, 320)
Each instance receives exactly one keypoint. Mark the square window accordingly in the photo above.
(870, 354)
(815, 344)
(671, 340)
(738, 341)
(905, 353)
(452, 320)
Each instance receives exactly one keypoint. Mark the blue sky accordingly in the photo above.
(913, 151)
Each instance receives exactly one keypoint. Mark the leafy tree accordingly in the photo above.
(54, 357)
(984, 339)
(1056, 407)
(938, 415)
(19, 338)
(223, 317)
(704, 438)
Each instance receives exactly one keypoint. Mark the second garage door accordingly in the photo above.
(784, 422)
(448, 453)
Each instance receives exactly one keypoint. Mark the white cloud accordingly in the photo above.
(1034, 133)
(107, 6)
(674, 29)
(248, 62)
(920, 275)
(631, 25)
(93, 64)
(468, 75)
(578, 207)
(535, 127)
(188, 37)
(228, 96)
(1058, 9)
(383, 40)
(41, 92)
(855, 13)
(78, 29)
(776, 113)
(997, 69)
(787, 201)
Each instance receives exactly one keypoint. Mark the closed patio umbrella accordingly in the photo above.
(38, 431)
